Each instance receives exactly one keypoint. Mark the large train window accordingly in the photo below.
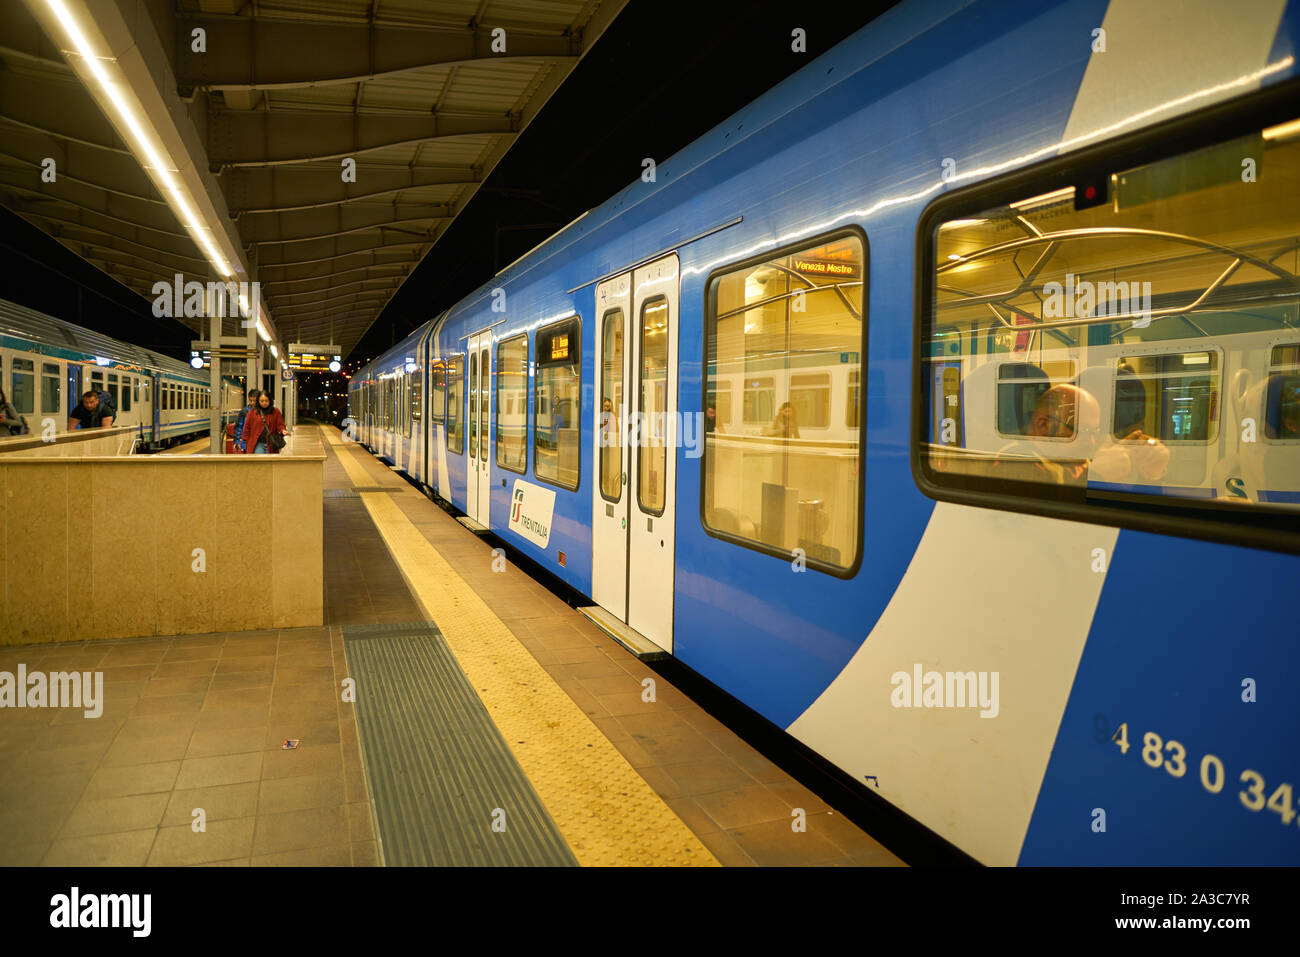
(126, 390)
(789, 331)
(512, 403)
(22, 392)
(455, 403)
(556, 442)
(1100, 340)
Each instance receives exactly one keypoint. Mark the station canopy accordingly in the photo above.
(425, 96)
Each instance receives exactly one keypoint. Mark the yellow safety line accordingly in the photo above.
(605, 810)
(356, 472)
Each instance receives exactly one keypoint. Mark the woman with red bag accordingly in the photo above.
(263, 428)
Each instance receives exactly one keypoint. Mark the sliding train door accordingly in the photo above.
(478, 372)
(635, 439)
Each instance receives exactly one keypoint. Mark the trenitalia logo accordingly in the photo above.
(532, 508)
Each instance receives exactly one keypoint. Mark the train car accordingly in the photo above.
(46, 364)
(943, 407)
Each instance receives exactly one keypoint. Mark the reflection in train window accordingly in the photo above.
(1282, 396)
(556, 434)
(126, 390)
(455, 402)
(1127, 344)
(721, 405)
(760, 400)
(1021, 389)
(50, 389)
(851, 400)
(611, 406)
(1172, 398)
(811, 397)
(788, 331)
(652, 457)
(22, 392)
(438, 404)
(512, 403)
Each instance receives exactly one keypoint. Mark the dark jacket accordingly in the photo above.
(239, 427)
(254, 425)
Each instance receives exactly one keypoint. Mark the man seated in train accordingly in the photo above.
(1060, 413)
(90, 413)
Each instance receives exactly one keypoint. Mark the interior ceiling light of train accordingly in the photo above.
(331, 141)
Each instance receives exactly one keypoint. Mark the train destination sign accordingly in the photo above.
(824, 267)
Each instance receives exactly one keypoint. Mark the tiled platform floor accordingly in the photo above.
(191, 722)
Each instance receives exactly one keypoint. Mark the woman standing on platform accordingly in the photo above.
(262, 422)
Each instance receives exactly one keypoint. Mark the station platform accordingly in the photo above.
(451, 711)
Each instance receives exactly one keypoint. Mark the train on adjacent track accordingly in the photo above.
(46, 364)
(943, 407)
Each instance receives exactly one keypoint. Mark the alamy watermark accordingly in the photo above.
(684, 429)
(194, 299)
(948, 689)
(58, 689)
(1081, 299)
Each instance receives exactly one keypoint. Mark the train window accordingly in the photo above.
(97, 381)
(652, 380)
(417, 398)
(455, 405)
(113, 391)
(852, 398)
(760, 400)
(1021, 387)
(721, 405)
(126, 392)
(810, 396)
(22, 393)
(1172, 398)
(512, 403)
(1122, 333)
(790, 329)
(1282, 395)
(556, 433)
(611, 405)
(439, 405)
(51, 387)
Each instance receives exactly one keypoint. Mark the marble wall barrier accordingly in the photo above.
(94, 547)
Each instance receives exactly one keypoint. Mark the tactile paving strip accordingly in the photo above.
(607, 813)
(447, 789)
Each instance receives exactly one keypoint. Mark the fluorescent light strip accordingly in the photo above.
(163, 171)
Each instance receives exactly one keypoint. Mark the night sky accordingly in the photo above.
(661, 76)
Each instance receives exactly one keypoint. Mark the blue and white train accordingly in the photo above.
(942, 406)
(46, 364)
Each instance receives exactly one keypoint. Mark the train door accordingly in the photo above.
(478, 369)
(635, 429)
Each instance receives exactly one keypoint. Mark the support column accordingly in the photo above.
(216, 427)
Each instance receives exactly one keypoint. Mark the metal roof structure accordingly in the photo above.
(271, 98)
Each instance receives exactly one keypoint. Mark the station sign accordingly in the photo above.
(312, 357)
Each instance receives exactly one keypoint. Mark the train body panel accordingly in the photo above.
(810, 572)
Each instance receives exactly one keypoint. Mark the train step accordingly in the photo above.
(472, 525)
(629, 638)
